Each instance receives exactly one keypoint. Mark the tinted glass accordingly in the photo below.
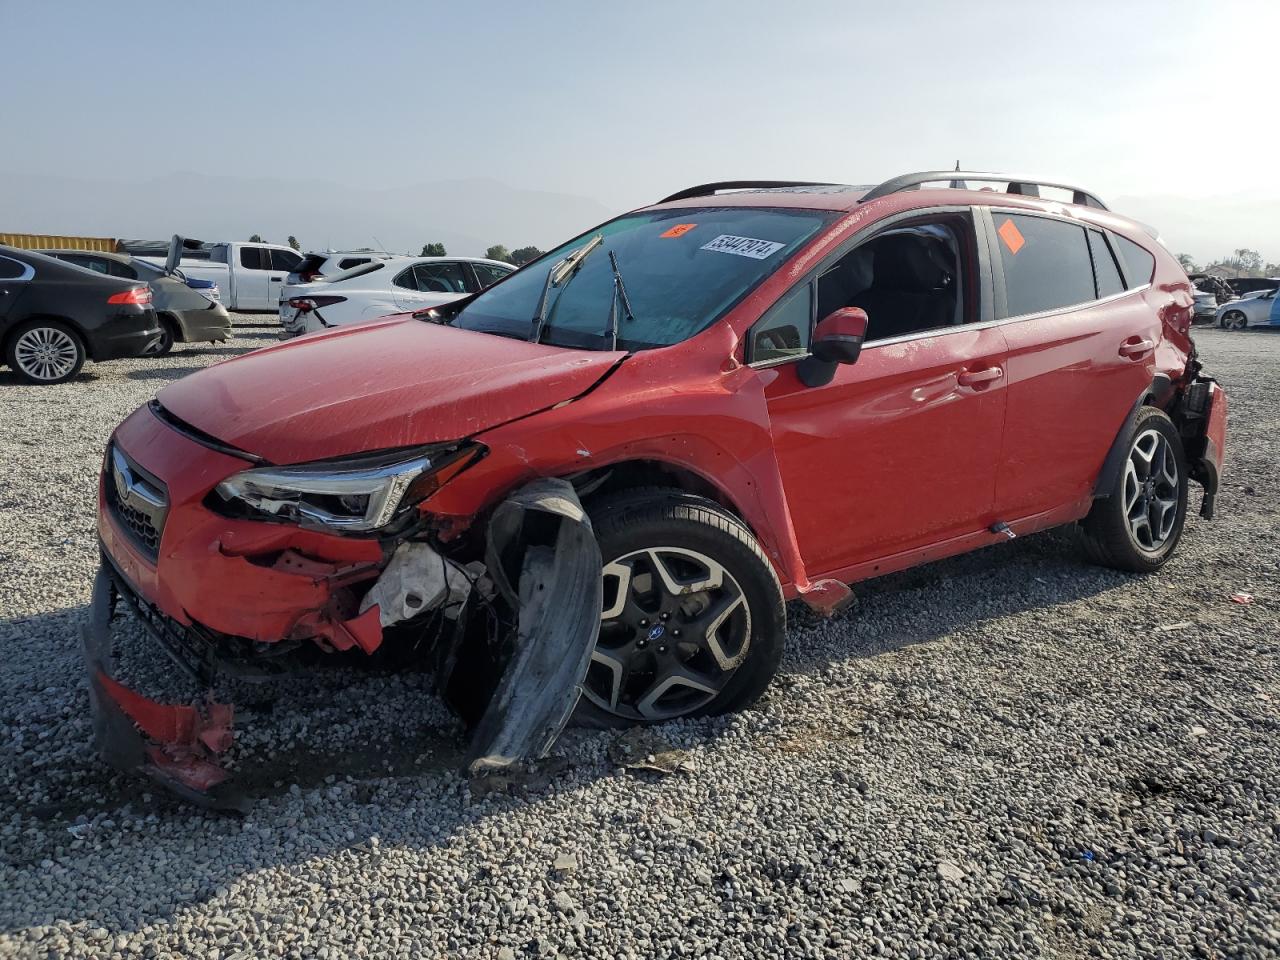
(118, 269)
(251, 258)
(488, 274)
(1104, 266)
(442, 278)
(89, 263)
(403, 279)
(284, 259)
(11, 269)
(348, 262)
(784, 331)
(1046, 264)
(682, 270)
(1138, 264)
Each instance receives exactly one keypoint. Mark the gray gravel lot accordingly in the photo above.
(1006, 754)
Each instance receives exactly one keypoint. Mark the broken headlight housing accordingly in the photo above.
(353, 495)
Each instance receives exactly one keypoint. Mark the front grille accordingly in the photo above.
(137, 499)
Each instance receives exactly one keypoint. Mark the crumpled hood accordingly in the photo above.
(397, 382)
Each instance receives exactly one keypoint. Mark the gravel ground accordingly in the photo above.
(1006, 754)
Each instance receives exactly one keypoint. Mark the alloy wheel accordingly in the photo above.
(674, 629)
(1151, 485)
(1235, 320)
(46, 353)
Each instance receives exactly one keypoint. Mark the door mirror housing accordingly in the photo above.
(837, 339)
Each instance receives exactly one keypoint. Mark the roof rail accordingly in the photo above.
(711, 189)
(1020, 186)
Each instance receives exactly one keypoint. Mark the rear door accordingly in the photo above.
(1081, 350)
(253, 270)
(14, 275)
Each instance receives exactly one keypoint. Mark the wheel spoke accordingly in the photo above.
(671, 680)
(712, 577)
(1132, 487)
(714, 620)
(617, 668)
(621, 572)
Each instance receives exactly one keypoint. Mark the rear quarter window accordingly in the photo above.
(1104, 266)
(1139, 265)
(11, 269)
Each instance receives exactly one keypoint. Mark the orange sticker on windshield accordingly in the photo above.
(1012, 236)
(679, 230)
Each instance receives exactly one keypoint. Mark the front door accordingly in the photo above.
(900, 450)
(252, 283)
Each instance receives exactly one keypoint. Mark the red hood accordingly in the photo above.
(394, 383)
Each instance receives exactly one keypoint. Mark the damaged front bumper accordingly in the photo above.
(513, 636)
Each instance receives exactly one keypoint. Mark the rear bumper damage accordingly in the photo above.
(510, 636)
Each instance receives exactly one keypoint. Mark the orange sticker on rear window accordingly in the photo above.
(1011, 236)
(679, 230)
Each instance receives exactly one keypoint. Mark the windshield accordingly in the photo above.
(684, 269)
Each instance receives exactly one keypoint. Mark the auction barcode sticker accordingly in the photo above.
(744, 246)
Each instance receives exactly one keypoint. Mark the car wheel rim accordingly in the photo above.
(45, 353)
(1235, 321)
(674, 628)
(1151, 485)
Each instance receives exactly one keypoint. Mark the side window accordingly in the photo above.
(405, 279)
(123, 270)
(1139, 265)
(446, 277)
(251, 258)
(784, 331)
(1104, 266)
(89, 263)
(284, 259)
(488, 274)
(1046, 263)
(12, 269)
(913, 277)
(348, 262)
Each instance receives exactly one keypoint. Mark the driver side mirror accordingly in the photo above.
(837, 339)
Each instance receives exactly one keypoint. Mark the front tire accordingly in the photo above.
(1234, 320)
(693, 620)
(45, 352)
(1138, 526)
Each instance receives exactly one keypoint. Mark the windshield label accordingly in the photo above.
(744, 246)
(679, 230)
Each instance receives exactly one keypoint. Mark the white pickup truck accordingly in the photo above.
(249, 275)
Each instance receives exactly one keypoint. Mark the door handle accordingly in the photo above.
(973, 378)
(1133, 348)
(277, 278)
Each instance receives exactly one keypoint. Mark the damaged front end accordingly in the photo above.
(506, 617)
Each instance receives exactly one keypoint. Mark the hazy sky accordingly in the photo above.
(624, 102)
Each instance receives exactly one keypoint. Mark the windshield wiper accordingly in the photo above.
(619, 294)
(558, 275)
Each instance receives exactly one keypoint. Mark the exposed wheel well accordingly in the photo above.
(171, 321)
(639, 474)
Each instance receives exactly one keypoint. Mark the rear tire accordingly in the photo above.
(44, 352)
(1138, 526)
(692, 651)
(168, 335)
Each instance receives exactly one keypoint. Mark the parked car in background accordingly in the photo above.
(186, 316)
(1256, 309)
(632, 451)
(54, 315)
(250, 276)
(380, 287)
(1243, 286)
(316, 266)
(1206, 305)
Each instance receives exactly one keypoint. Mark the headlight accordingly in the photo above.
(355, 495)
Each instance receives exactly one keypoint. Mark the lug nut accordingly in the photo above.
(662, 649)
(644, 622)
(676, 632)
(641, 644)
(666, 616)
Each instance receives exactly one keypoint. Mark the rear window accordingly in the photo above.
(251, 258)
(1139, 265)
(1046, 264)
(11, 269)
(359, 271)
(348, 262)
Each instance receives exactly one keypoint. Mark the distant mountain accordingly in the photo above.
(1209, 227)
(468, 216)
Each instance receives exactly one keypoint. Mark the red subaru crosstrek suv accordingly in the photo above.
(592, 486)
